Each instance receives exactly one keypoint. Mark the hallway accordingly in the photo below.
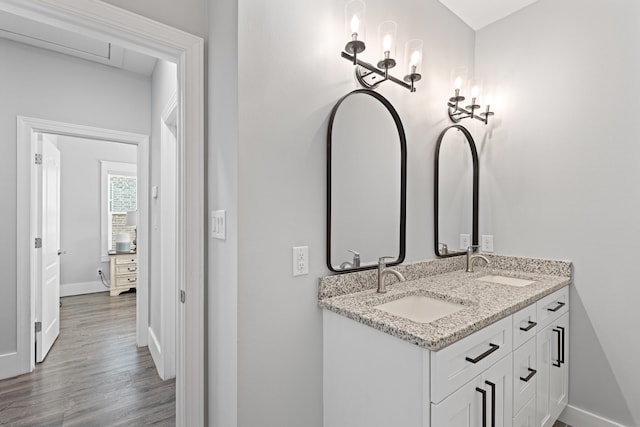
(94, 375)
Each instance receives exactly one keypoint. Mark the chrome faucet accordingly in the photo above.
(383, 270)
(471, 256)
(354, 264)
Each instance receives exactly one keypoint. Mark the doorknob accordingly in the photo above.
(61, 252)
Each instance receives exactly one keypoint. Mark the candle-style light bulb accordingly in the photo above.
(458, 83)
(474, 91)
(415, 59)
(355, 26)
(386, 45)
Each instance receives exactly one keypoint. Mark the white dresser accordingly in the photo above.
(123, 272)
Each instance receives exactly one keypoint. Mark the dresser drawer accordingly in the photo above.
(524, 325)
(126, 269)
(455, 365)
(552, 307)
(128, 259)
(525, 371)
(124, 281)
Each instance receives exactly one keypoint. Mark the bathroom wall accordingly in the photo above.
(223, 173)
(559, 176)
(80, 208)
(47, 85)
(290, 75)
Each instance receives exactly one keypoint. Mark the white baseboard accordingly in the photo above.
(68, 289)
(577, 417)
(156, 353)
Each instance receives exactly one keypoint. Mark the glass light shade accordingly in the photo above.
(387, 38)
(355, 20)
(413, 56)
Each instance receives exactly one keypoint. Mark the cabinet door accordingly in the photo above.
(527, 416)
(485, 401)
(553, 371)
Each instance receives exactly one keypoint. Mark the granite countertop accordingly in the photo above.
(484, 302)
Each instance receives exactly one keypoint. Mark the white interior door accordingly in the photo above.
(48, 309)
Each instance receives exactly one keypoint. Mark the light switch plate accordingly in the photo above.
(487, 243)
(300, 260)
(219, 225)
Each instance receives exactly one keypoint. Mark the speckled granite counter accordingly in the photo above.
(444, 279)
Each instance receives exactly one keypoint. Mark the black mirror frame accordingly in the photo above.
(403, 179)
(476, 186)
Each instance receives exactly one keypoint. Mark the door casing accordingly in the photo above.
(109, 23)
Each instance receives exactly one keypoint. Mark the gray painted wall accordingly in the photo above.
(187, 15)
(290, 75)
(223, 171)
(47, 85)
(80, 204)
(164, 83)
(559, 176)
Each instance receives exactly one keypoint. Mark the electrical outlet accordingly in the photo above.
(300, 260)
(465, 241)
(487, 243)
(99, 273)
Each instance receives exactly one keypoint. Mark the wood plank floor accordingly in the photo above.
(94, 375)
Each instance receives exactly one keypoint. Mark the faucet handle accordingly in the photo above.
(382, 258)
(356, 257)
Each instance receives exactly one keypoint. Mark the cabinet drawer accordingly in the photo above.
(455, 365)
(524, 325)
(123, 281)
(552, 307)
(527, 416)
(129, 259)
(126, 269)
(525, 370)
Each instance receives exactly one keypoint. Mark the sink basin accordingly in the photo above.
(420, 308)
(505, 280)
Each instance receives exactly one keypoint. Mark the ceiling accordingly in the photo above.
(45, 36)
(480, 13)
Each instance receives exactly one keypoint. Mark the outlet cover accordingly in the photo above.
(300, 260)
(487, 243)
(465, 241)
(219, 225)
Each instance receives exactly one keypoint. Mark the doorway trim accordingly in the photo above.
(27, 128)
(109, 23)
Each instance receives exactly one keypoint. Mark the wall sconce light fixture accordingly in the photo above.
(457, 112)
(371, 76)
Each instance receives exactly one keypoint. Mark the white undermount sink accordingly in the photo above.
(506, 280)
(420, 308)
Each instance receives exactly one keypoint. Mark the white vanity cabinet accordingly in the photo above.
(553, 359)
(484, 401)
(511, 373)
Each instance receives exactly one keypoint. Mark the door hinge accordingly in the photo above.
(38, 326)
(183, 296)
(38, 243)
(38, 159)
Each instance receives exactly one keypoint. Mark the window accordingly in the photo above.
(119, 196)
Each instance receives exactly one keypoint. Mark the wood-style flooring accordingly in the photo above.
(94, 375)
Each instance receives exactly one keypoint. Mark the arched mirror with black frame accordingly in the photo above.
(366, 183)
(456, 184)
